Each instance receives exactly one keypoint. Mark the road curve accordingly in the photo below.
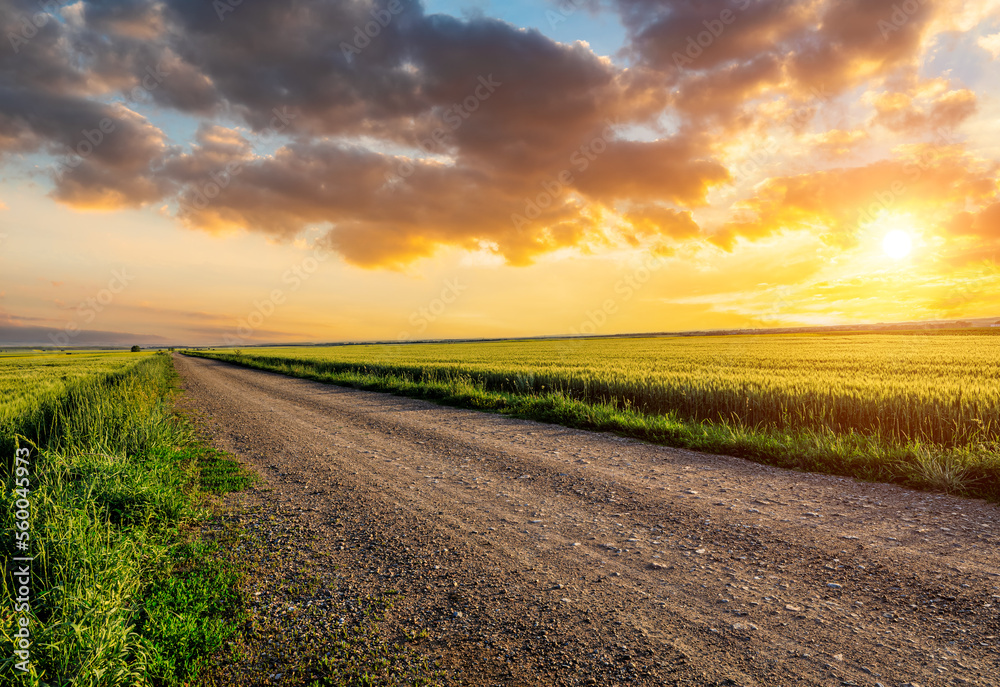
(538, 554)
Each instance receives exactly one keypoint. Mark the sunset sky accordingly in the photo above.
(183, 171)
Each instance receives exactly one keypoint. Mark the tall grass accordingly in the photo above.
(114, 481)
(922, 412)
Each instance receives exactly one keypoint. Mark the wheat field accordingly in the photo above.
(940, 388)
(30, 380)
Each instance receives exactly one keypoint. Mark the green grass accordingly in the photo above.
(917, 411)
(188, 616)
(126, 590)
(120, 594)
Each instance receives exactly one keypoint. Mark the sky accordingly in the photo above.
(196, 173)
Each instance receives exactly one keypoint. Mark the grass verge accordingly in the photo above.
(121, 592)
(970, 470)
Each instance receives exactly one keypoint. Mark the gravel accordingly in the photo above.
(420, 512)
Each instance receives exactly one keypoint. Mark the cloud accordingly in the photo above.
(402, 132)
(675, 36)
(463, 204)
(990, 44)
(904, 113)
(56, 81)
(856, 40)
(652, 219)
(483, 113)
(41, 336)
(983, 226)
(720, 55)
(138, 19)
(986, 223)
(837, 143)
(112, 164)
(927, 181)
(721, 96)
(668, 169)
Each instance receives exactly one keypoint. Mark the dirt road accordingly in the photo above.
(536, 554)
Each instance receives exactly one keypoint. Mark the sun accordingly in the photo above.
(897, 244)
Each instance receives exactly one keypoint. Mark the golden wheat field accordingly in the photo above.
(941, 388)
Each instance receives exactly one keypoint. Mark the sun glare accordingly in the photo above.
(897, 244)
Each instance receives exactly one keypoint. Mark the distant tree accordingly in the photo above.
(136, 349)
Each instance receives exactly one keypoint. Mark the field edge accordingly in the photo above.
(868, 457)
(124, 588)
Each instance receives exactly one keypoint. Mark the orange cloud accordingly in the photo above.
(901, 112)
(986, 223)
(376, 217)
(656, 220)
(669, 169)
(837, 142)
(723, 92)
(990, 44)
(719, 56)
(928, 181)
(984, 227)
(499, 136)
(858, 40)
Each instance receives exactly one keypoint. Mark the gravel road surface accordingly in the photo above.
(533, 554)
